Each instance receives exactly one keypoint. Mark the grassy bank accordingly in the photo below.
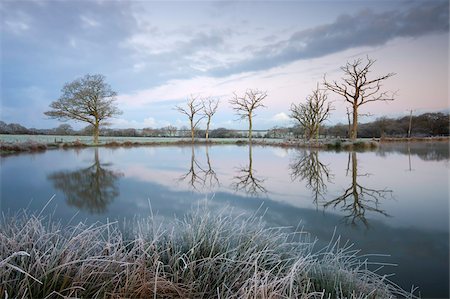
(202, 256)
(415, 139)
(7, 148)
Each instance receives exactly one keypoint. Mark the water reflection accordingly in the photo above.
(199, 178)
(194, 176)
(91, 189)
(211, 180)
(307, 167)
(358, 199)
(436, 151)
(246, 180)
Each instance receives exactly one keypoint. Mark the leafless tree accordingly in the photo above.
(313, 113)
(307, 167)
(210, 106)
(358, 90)
(244, 106)
(89, 99)
(358, 199)
(246, 180)
(170, 130)
(194, 106)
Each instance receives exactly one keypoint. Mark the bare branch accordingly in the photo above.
(357, 89)
(193, 106)
(313, 113)
(244, 106)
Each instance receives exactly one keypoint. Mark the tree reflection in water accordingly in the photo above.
(199, 178)
(307, 167)
(194, 175)
(91, 189)
(356, 199)
(246, 180)
(211, 180)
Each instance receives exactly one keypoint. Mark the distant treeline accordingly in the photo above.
(424, 125)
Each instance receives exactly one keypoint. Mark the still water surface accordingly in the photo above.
(391, 201)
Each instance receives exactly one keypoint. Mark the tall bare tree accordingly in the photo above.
(210, 106)
(357, 89)
(89, 99)
(244, 106)
(313, 113)
(193, 106)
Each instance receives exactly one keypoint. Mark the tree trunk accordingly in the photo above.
(96, 131)
(192, 131)
(317, 132)
(354, 132)
(207, 129)
(250, 128)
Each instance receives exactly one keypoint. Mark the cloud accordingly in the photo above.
(89, 22)
(16, 22)
(281, 117)
(148, 122)
(366, 28)
(17, 26)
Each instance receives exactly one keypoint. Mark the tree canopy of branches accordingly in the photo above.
(357, 89)
(193, 106)
(244, 106)
(89, 99)
(313, 113)
(210, 106)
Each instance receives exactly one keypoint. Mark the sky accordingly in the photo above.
(157, 54)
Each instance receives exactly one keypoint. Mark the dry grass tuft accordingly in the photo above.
(205, 255)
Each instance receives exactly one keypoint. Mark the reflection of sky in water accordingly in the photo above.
(415, 233)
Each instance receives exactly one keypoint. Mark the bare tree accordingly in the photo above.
(194, 106)
(357, 89)
(170, 130)
(245, 105)
(89, 99)
(313, 113)
(210, 106)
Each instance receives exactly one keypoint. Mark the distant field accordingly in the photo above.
(103, 139)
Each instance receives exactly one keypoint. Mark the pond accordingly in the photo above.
(390, 201)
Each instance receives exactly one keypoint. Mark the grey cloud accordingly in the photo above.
(366, 28)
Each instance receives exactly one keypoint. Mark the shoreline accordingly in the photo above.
(30, 146)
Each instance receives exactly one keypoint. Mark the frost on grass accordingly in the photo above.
(205, 255)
